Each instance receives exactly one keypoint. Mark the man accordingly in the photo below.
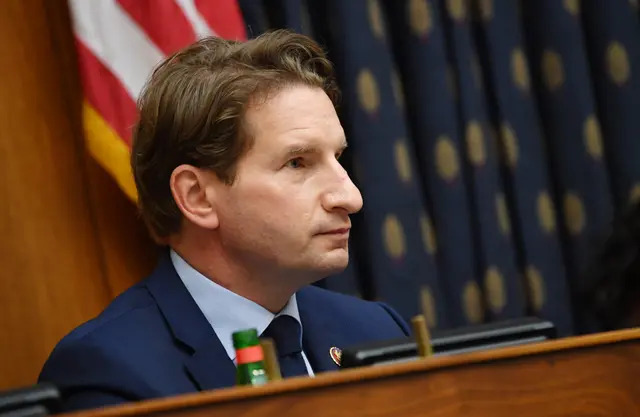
(236, 162)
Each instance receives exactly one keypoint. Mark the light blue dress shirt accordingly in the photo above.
(227, 311)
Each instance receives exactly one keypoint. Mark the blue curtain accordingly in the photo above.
(493, 142)
(574, 139)
(431, 110)
(492, 226)
(613, 44)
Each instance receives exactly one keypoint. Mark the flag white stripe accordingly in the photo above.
(198, 23)
(116, 40)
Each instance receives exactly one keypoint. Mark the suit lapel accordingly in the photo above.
(318, 332)
(209, 365)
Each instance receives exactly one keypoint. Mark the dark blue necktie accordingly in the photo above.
(287, 336)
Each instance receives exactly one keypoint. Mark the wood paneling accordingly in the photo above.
(70, 239)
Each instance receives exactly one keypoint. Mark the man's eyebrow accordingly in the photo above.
(297, 150)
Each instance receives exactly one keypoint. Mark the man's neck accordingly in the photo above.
(267, 288)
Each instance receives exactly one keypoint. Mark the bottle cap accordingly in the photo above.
(245, 338)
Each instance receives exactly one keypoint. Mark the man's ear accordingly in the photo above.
(194, 193)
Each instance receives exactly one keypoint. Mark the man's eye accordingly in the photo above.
(295, 163)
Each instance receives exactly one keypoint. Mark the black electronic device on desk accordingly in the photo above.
(35, 401)
(449, 342)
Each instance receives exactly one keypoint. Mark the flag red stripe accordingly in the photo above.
(224, 17)
(162, 21)
(106, 93)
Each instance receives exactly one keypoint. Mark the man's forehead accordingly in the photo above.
(302, 137)
(293, 115)
(313, 133)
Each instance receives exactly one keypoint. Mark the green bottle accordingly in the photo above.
(249, 358)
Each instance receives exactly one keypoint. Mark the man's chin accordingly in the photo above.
(335, 262)
(319, 267)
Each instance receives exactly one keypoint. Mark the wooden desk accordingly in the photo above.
(596, 375)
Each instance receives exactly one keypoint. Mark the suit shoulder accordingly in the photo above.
(123, 308)
(338, 300)
(352, 309)
(333, 297)
(113, 352)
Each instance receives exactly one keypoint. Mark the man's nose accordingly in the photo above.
(343, 194)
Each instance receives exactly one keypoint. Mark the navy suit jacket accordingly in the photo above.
(153, 341)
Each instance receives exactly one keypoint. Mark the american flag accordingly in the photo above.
(119, 42)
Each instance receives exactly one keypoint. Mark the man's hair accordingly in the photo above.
(191, 110)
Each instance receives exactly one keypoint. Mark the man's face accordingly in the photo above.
(288, 209)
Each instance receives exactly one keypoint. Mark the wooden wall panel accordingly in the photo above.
(69, 240)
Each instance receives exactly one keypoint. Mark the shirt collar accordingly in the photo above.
(225, 310)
